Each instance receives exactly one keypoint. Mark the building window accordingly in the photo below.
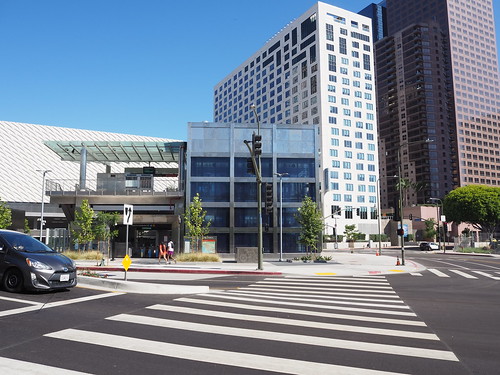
(211, 191)
(297, 167)
(209, 167)
(329, 32)
(343, 46)
(332, 64)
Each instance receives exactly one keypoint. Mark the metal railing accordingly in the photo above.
(161, 186)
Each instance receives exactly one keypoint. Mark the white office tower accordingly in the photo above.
(318, 70)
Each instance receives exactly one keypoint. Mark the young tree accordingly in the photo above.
(430, 229)
(351, 233)
(477, 205)
(310, 220)
(81, 228)
(27, 229)
(104, 227)
(194, 220)
(5, 215)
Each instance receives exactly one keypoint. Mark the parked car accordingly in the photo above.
(28, 264)
(427, 246)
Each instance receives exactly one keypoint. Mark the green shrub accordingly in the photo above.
(374, 237)
(198, 257)
(83, 255)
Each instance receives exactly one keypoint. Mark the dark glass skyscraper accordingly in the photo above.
(437, 77)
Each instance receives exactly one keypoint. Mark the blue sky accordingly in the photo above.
(142, 67)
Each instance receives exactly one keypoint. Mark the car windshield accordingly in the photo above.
(22, 242)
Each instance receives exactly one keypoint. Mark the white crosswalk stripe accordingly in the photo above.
(461, 273)
(361, 315)
(466, 275)
(437, 272)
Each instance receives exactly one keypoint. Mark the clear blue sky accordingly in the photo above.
(143, 67)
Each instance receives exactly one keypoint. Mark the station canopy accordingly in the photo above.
(117, 152)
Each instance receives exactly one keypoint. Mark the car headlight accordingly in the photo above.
(37, 264)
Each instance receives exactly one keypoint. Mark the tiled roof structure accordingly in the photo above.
(22, 153)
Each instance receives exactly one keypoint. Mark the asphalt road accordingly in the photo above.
(462, 310)
(405, 324)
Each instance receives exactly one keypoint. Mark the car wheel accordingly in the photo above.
(13, 281)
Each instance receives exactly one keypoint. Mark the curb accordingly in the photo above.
(138, 287)
(179, 270)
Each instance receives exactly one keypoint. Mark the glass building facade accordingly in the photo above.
(217, 171)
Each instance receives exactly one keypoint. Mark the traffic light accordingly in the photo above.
(401, 232)
(357, 211)
(269, 198)
(256, 144)
(250, 168)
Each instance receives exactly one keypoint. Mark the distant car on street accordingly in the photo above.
(427, 246)
(26, 263)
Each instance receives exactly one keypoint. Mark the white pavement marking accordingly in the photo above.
(349, 296)
(56, 304)
(451, 264)
(26, 302)
(289, 337)
(327, 288)
(297, 323)
(416, 274)
(314, 306)
(14, 366)
(222, 357)
(437, 272)
(385, 285)
(375, 279)
(466, 275)
(487, 275)
(324, 299)
(314, 313)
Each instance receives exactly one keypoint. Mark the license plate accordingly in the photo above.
(64, 277)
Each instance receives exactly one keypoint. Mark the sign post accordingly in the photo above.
(126, 264)
(128, 219)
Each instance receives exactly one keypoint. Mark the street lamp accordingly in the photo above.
(281, 175)
(259, 196)
(401, 209)
(334, 216)
(439, 209)
(379, 218)
(379, 213)
(44, 171)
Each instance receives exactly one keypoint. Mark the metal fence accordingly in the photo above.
(161, 186)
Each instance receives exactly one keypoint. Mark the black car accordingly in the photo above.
(26, 263)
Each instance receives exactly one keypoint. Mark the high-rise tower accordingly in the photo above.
(437, 77)
(318, 70)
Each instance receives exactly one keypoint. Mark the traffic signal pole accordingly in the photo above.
(255, 152)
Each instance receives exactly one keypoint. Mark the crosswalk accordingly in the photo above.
(293, 325)
(468, 274)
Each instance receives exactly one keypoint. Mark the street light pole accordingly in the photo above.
(439, 209)
(259, 198)
(379, 218)
(281, 175)
(401, 208)
(44, 171)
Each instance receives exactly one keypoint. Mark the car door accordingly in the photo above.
(3, 253)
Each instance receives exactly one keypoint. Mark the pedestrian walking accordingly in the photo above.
(170, 251)
(162, 252)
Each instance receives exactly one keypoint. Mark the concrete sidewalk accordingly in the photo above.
(148, 276)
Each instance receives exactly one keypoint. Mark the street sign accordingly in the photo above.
(126, 262)
(128, 214)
